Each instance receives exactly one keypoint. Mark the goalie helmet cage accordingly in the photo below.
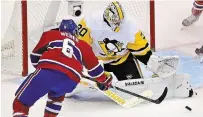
(28, 16)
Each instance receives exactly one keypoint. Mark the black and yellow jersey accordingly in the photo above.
(109, 46)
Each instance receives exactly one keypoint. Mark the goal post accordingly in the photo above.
(152, 25)
(24, 38)
(29, 17)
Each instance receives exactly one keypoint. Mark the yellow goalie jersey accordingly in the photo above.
(109, 46)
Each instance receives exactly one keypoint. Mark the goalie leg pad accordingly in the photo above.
(181, 87)
(178, 86)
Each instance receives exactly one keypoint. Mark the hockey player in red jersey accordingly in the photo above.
(58, 58)
(196, 12)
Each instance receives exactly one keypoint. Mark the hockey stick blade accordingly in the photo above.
(157, 101)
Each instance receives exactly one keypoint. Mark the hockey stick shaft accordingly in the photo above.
(157, 101)
(126, 103)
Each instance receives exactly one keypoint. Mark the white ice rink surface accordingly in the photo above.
(97, 105)
(169, 36)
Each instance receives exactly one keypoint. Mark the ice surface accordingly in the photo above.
(97, 105)
(170, 40)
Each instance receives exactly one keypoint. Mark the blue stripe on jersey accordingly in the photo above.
(54, 107)
(56, 44)
(96, 71)
(34, 58)
(77, 53)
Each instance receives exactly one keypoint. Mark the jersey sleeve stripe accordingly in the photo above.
(55, 41)
(98, 75)
(54, 47)
(96, 72)
(94, 67)
(56, 44)
(36, 54)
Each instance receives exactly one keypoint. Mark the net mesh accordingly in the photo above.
(38, 14)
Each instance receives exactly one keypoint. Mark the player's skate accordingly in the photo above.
(190, 20)
(199, 52)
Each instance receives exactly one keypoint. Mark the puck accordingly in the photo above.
(187, 107)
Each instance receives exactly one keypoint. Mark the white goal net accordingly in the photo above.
(43, 13)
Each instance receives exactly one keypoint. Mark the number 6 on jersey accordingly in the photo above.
(67, 48)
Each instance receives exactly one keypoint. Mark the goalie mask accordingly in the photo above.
(114, 15)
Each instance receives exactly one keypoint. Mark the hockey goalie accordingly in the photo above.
(119, 44)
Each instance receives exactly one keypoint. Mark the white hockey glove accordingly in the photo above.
(163, 65)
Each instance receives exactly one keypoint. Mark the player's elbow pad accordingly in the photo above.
(34, 58)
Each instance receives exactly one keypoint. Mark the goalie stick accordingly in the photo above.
(157, 101)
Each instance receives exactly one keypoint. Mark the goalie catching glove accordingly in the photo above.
(104, 84)
(163, 65)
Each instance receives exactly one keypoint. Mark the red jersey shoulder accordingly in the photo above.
(52, 32)
(84, 44)
(53, 35)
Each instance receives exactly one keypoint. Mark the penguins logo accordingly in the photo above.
(110, 47)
